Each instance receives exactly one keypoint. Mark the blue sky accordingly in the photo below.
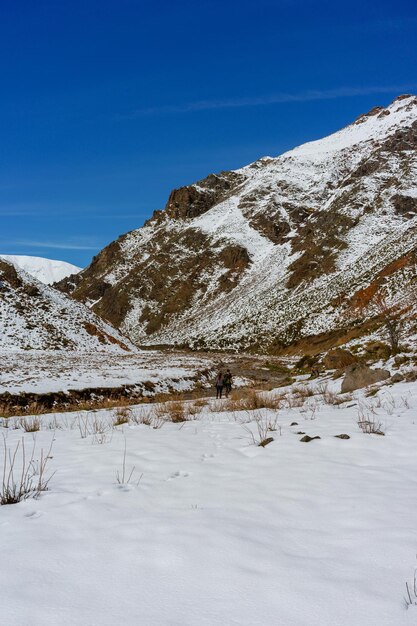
(107, 105)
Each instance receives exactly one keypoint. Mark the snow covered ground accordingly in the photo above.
(213, 530)
(38, 371)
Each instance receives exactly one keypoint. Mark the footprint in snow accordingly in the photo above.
(178, 474)
(33, 515)
(204, 457)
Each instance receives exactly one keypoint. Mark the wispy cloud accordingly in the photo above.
(58, 245)
(278, 98)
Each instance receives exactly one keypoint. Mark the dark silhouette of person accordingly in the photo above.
(219, 385)
(227, 380)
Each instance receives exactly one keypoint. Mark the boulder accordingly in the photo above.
(358, 376)
(342, 436)
(338, 359)
(265, 442)
(307, 438)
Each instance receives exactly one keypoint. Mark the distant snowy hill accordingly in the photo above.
(274, 253)
(48, 271)
(34, 316)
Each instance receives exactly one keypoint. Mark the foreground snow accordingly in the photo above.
(213, 530)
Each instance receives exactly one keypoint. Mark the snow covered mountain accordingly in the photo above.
(35, 316)
(48, 271)
(274, 253)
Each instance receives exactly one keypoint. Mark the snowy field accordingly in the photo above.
(42, 372)
(211, 529)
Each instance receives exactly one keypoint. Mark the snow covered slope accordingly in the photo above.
(275, 252)
(48, 271)
(35, 316)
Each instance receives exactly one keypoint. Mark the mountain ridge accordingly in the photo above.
(48, 271)
(259, 257)
(34, 316)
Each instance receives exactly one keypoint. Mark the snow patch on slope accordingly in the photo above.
(47, 271)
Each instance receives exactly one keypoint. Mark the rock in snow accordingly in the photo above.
(360, 375)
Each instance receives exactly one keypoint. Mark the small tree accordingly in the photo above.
(393, 317)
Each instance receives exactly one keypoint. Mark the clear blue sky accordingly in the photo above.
(106, 105)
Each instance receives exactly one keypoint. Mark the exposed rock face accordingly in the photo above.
(272, 254)
(194, 200)
(35, 316)
(359, 376)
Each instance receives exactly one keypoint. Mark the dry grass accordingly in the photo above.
(247, 399)
(34, 408)
(30, 424)
(293, 401)
(264, 426)
(368, 421)
(92, 425)
(28, 481)
(193, 409)
(37, 408)
(122, 416)
(176, 412)
(370, 426)
(122, 477)
(303, 391)
(331, 397)
(143, 417)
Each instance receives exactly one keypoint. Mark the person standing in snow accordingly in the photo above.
(228, 382)
(219, 385)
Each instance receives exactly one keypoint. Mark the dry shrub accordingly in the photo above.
(293, 401)
(176, 412)
(30, 424)
(303, 391)
(201, 402)
(12, 411)
(331, 397)
(142, 418)
(73, 404)
(264, 425)
(368, 422)
(161, 397)
(122, 416)
(193, 409)
(246, 399)
(92, 425)
(371, 426)
(30, 480)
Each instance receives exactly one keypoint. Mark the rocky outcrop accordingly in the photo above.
(194, 200)
(359, 376)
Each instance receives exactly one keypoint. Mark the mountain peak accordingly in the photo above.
(271, 253)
